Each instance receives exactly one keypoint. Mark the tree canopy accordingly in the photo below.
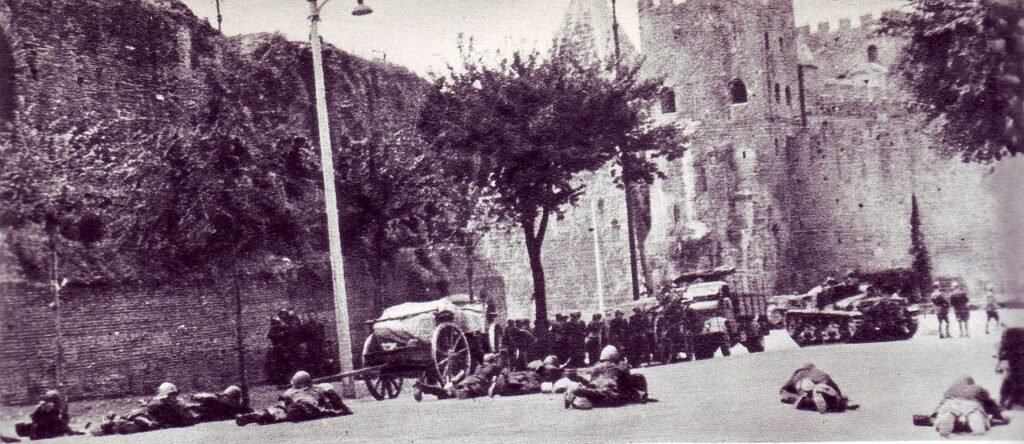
(533, 122)
(964, 62)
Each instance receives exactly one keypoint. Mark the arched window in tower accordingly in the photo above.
(778, 94)
(872, 54)
(789, 97)
(737, 91)
(668, 101)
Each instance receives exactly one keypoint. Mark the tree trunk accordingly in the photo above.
(534, 242)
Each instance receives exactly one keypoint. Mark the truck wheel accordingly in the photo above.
(704, 349)
(755, 345)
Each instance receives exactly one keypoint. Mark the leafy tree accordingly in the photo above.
(964, 62)
(536, 122)
(921, 267)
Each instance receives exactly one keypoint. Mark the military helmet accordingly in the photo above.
(806, 385)
(551, 360)
(51, 396)
(490, 358)
(233, 391)
(301, 380)
(581, 403)
(166, 389)
(609, 353)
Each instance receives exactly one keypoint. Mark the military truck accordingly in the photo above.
(862, 307)
(700, 314)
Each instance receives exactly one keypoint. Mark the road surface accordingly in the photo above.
(723, 399)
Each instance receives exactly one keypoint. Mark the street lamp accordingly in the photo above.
(330, 196)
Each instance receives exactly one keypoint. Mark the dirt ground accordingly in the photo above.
(723, 399)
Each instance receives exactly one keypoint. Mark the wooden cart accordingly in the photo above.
(461, 334)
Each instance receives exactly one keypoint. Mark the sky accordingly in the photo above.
(422, 34)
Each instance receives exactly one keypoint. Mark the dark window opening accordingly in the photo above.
(872, 54)
(778, 94)
(668, 101)
(780, 43)
(789, 96)
(767, 45)
(860, 205)
(737, 91)
(744, 154)
(676, 214)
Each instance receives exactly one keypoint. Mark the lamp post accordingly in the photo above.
(330, 196)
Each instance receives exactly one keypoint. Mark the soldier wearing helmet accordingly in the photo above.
(810, 388)
(618, 329)
(49, 419)
(479, 383)
(611, 384)
(961, 308)
(165, 410)
(965, 407)
(219, 406)
(303, 401)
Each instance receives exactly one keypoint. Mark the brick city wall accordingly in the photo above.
(121, 341)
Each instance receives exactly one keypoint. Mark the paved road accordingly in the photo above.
(724, 399)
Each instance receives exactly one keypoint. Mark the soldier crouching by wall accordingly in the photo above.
(165, 410)
(303, 401)
(49, 419)
(810, 388)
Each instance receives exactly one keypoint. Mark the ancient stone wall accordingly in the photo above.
(862, 156)
(137, 66)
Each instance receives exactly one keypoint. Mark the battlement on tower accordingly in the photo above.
(865, 23)
(704, 6)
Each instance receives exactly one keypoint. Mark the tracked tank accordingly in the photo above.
(855, 310)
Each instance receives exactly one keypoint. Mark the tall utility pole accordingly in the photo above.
(599, 269)
(331, 202)
(630, 207)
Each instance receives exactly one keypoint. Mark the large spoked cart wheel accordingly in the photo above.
(381, 385)
(451, 353)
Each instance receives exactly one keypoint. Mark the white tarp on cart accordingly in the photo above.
(417, 320)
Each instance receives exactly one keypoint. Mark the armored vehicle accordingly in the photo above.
(863, 307)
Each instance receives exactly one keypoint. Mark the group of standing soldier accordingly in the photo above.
(577, 343)
(297, 342)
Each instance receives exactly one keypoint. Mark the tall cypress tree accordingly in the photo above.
(922, 263)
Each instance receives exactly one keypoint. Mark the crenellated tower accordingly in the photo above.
(732, 67)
